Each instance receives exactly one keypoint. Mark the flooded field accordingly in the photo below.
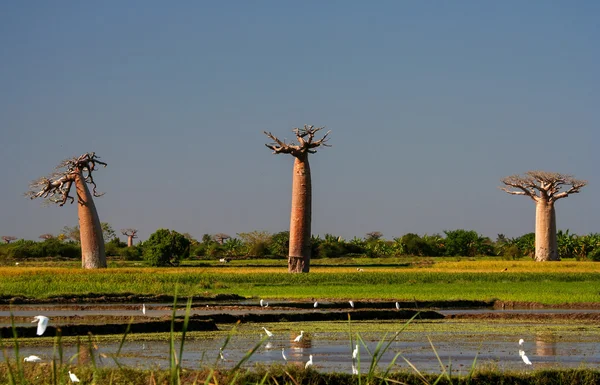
(567, 338)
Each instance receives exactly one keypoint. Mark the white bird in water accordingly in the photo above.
(316, 304)
(268, 332)
(73, 377)
(32, 358)
(355, 352)
(351, 304)
(221, 355)
(283, 354)
(309, 362)
(299, 338)
(42, 323)
(144, 308)
(522, 353)
(525, 358)
(354, 369)
(359, 269)
(262, 303)
(397, 306)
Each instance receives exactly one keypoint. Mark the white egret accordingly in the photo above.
(351, 304)
(221, 355)
(262, 302)
(354, 369)
(309, 362)
(266, 304)
(522, 353)
(355, 352)
(283, 354)
(32, 358)
(42, 323)
(397, 306)
(299, 338)
(268, 332)
(73, 377)
(524, 357)
(144, 308)
(316, 304)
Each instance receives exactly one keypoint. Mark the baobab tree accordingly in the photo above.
(130, 234)
(220, 238)
(56, 189)
(545, 189)
(300, 221)
(46, 236)
(8, 238)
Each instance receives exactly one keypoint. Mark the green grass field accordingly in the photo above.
(547, 283)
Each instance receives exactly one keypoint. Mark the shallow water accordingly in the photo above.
(333, 352)
(551, 345)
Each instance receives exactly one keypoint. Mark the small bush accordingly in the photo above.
(166, 248)
(594, 255)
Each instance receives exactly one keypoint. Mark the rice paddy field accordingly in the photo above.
(517, 281)
(567, 284)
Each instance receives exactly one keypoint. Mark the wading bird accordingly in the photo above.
(283, 354)
(309, 362)
(268, 332)
(522, 353)
(397, 306)
(32, 358)
(144, 308)
(42, 323)
(262, 303)
(299, 338)
(73, 377)
(351, 304)
(316, 304)
(355, 352)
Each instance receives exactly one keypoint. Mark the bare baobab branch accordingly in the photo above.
(57, 187)
(46, 236)
(304, 136)
(545, 189)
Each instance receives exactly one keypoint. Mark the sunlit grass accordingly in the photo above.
(523, 281)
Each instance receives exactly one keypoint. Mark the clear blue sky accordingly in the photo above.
(430, 103)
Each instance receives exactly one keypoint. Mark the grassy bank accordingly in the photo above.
(548, 283)
(291, 375)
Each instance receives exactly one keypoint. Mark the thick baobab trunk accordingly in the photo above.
(546, 246)
(92, 241)
(299, 257)
(129, 240)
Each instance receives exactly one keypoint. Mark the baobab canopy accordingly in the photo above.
(536, 184)
(56, 187)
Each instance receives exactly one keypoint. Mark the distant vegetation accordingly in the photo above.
(160, 251)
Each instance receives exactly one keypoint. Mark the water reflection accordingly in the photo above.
(545, 344)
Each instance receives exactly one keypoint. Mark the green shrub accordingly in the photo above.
(594, 255)
(133, 253)
(166, 248)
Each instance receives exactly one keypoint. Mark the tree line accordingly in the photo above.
(168, 247)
